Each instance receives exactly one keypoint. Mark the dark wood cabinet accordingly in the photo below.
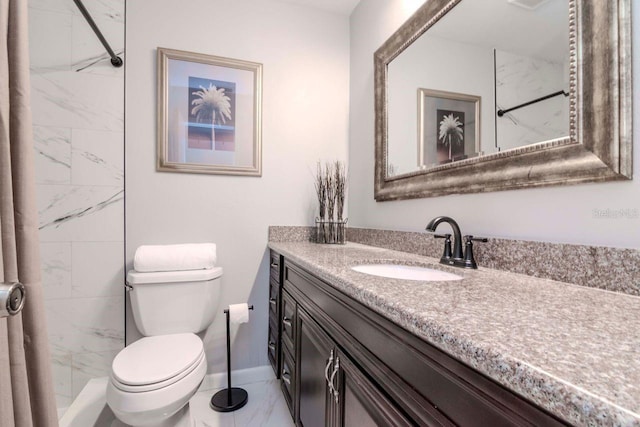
(332, 390)
(349, 366)
(275, 286)
(316, 356)
(360, 402)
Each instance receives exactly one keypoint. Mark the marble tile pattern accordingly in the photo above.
(77, 100)
(572, 350)
(613, 269)
(521, 79)
(266, 407)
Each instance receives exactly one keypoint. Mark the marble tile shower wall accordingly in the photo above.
(521, 79)
(78, 116)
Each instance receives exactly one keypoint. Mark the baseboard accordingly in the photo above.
(238, 377)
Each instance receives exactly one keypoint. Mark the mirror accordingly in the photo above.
(486, 96)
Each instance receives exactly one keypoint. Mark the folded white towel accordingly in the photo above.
(192, 256)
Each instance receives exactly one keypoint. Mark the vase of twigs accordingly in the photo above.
(331, 185)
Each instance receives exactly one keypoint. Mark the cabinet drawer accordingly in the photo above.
(274, 266)
(288, 319)
(273, 346)
(287, 382)
(274, 294)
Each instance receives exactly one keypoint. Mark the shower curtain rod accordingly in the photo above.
(560, 92)
(116, 61)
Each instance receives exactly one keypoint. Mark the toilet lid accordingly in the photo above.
(155, 359)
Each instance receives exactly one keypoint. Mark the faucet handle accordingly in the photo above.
(447, 254)
(442, 236)
(469, 260)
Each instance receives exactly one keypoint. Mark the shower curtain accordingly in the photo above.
(26, 385)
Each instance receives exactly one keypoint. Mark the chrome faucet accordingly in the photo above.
(455, 258)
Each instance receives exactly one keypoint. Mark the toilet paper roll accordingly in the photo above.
(239, 313)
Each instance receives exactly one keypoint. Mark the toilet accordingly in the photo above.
(153, 379)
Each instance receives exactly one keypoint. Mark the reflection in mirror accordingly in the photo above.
(528, 149)
(478, 59)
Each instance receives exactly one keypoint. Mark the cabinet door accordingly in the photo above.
(315, 363)
(361, 403)
(288, 321)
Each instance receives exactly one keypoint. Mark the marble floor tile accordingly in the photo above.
(266, 406)
(204, 416)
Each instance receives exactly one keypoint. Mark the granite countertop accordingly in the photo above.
(572, 350)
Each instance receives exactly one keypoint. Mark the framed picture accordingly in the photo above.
(448, 127)
(209, 114)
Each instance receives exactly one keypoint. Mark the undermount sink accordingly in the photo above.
(406, 272)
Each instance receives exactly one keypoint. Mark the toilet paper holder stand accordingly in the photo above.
(230, 398)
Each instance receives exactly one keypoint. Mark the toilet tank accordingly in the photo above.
(170, 302)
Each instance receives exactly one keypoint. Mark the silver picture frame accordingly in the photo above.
(209, 114)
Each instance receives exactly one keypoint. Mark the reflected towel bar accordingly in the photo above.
(560, 92)
(116, 61)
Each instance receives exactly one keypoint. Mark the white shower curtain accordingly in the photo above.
(26, 386)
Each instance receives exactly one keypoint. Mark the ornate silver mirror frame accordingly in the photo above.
(599, 147)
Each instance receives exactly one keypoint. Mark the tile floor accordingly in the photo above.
(266, 407)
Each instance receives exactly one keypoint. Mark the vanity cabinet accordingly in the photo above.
(332, 389)
(275, 287)
(346, 365)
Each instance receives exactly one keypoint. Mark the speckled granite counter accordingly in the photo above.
(572, 350)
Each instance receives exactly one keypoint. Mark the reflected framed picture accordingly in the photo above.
(448, 127)
(209, 114)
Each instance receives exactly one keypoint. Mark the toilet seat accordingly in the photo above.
(152, 363)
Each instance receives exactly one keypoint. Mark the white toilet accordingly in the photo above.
(153, 379)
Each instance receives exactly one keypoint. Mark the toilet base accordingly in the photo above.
(182, 418)
(228, 400)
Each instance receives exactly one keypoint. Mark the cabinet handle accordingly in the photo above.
(272, 301)
(286, 321)
(272, 345)
(336, 393)
(326, 371)
(274, 265)
(286, 377)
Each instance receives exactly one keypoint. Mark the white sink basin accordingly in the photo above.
(406, 272)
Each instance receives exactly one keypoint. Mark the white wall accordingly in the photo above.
(305, 54)
(555, 214)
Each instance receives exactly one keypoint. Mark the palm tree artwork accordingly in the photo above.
(451, 130)
(211, 105)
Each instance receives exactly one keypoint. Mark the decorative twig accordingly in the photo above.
(321, 191)
(330, 187)
(341, 183)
